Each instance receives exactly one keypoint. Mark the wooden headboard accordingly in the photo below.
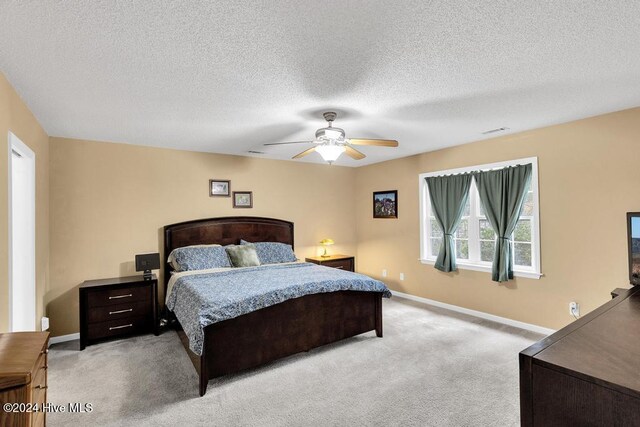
(223, 231)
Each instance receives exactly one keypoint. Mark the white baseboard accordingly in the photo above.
(480, 314)
(64, 338)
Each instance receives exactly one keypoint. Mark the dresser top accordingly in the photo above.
(129, 280)
(604, 348)
(19, 352)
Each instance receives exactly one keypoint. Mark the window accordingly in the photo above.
(475, 239)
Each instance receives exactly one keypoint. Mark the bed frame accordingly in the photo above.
(274, 332)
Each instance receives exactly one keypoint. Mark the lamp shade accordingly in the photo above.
(330, 152)
(326, 242)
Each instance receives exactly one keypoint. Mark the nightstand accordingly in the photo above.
(344, 262)
(117, 307)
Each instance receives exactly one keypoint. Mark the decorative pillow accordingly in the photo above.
(243, 255)
(272, 252)
(199, 258)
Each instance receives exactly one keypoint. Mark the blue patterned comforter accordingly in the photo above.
(203, 299)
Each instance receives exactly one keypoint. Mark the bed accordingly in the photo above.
(276, 331)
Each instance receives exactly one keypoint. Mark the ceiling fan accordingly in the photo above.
(330, 142)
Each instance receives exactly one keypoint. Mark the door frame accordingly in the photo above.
(19, 147)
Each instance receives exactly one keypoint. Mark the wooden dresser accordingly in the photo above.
(344, 262)
(588, 373)
(117, 307)
(23, 377)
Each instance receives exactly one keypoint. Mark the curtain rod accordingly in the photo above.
(478, 171)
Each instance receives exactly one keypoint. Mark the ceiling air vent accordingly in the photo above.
(489, 132)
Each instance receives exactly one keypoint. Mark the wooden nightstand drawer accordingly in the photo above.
(130, 325)
(342, 262)
(118, 296)
(120, 311)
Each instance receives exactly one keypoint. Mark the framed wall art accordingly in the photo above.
(242, 199)
(385, 204)
(219, 188)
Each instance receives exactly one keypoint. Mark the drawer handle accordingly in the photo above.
(120, 311)
(120, 327)
(41, 387)
(121, 296)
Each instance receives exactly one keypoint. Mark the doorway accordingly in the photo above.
(22, 236)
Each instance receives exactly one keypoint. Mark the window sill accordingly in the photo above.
(487, 269)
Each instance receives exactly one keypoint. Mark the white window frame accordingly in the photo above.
(532, 272)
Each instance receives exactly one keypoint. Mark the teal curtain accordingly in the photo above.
(448, 196)
(502, 194)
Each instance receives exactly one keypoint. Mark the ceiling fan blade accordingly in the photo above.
(353, 153)
(304, 153)
(378, 142)
(283, 143)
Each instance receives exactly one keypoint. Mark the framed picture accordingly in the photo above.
(385, 204)
(219, 188)
(242, 199)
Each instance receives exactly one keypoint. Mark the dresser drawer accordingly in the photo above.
(39, 393)
(124, 326)
(117, 307)
(39, 381)
(38, 419)
(39, 373)
(118, 296)
(343, 264)
(119, 311)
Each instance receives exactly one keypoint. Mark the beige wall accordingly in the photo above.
(106, 202)
(110, 201)
(15, 117)
(589, 177)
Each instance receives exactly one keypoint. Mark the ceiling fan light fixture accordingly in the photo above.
(330, 133)
(333, 133)
(331, 142)
(330, 152)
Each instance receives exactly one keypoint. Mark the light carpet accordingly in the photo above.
(433, 367)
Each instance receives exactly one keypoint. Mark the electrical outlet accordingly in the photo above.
(44, 322)
(574, 309)
(384, 273)
(401, 276)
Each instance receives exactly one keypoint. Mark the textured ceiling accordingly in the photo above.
(228, 76)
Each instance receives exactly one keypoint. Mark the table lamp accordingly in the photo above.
(325, 243)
